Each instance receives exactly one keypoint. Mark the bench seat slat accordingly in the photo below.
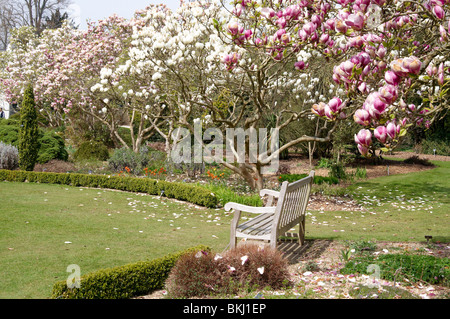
(257, 226)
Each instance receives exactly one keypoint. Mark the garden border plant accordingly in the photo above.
(184, 192)
(414, 268)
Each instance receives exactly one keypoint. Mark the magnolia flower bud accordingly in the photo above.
(335, 105)
(363, 150)
(438, 12)
(441, 74)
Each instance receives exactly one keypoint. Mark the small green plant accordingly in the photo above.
(345, 254)
(324, 163)
(311, 266)
(414, 268)
(361, 173)
(363, 247)
(29, 132)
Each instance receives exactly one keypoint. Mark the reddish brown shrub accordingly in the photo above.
(246, 267)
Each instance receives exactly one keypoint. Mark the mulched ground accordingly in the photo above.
(315, 271)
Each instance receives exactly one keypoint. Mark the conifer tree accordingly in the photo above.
(28, 133)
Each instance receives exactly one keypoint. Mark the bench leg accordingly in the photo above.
(301, 232)
(233, 243)
(234, 225)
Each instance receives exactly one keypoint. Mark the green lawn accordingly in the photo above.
(398, 208)
(46, 228)
(104, 228)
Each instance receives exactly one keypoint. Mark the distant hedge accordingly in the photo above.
(123, 282)
(184, 192)
(318, 180)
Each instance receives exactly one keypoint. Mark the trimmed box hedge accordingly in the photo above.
(123, 282)
(318, 180)
(181, 191)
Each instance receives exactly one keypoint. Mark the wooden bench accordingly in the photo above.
(274, 221)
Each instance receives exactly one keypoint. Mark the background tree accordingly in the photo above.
(39, 14)
(28, 133)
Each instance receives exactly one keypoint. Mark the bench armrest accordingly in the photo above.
(269, 192)
(249, 209)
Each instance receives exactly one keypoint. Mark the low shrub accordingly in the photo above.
(125, 157)
(337, 171)
(122, 282)
(431, 147)
(9, 157)
(246, 267)
(414, 268)
(92, 150)
(51, 148)
(318, 180)
(181, 191)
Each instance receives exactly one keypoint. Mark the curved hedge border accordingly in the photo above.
(184, 192)
(318, 180)
(123, 282)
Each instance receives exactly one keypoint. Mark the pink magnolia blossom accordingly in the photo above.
(403, 67)
(392, 130)
(364, 138)
(388, 94)
(380, 134)
(355, 21)
(362, 117)
(300, 65)
(319, 109)
(392, 78)
(233, 28)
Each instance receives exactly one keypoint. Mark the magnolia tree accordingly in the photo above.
(28, 60)
(250, 65)
(71, 74)
(233, 66)
(207, 74)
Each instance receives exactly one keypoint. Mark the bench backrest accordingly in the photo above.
(292, 203)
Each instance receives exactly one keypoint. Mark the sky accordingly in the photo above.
(94, 10)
